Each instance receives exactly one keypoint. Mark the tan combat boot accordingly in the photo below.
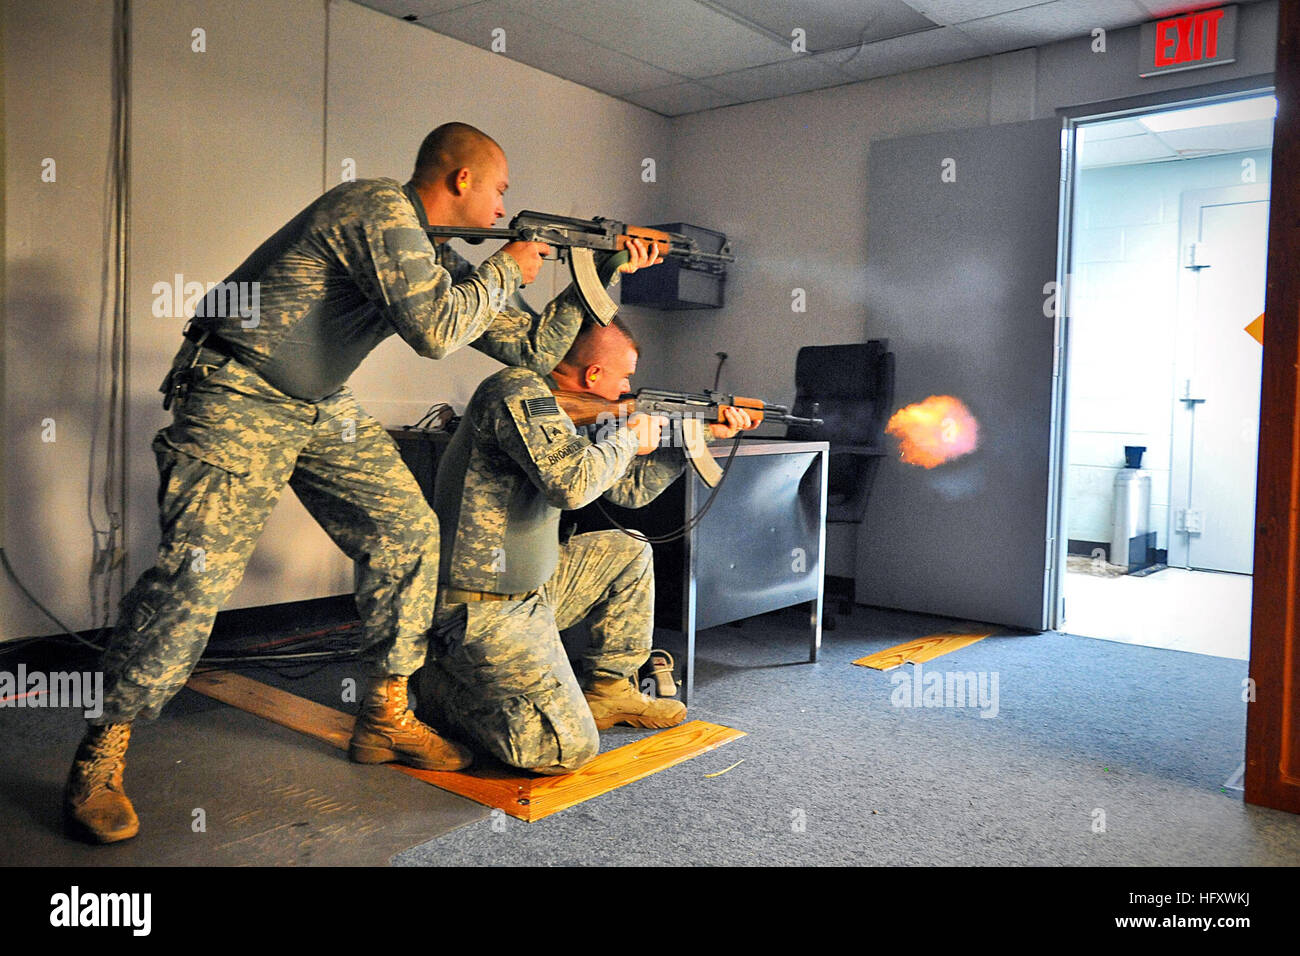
(95, 807)
(659, 667)
(617, 701)
(386, 730)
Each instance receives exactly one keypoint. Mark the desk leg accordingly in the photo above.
(688, 628)
(688, 681)
(815, 606)
(815, 637)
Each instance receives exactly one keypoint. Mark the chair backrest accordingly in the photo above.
(850, 387)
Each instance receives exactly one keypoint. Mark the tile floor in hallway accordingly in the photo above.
(1204, 612)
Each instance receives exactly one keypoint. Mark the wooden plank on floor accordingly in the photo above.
(625, 764)
(921, 650)
(278, 706)
(523, 796)
(528, 797)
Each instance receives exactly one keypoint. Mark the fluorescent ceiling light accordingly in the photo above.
(1216, 114)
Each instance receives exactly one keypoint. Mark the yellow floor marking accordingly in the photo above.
(920, 650)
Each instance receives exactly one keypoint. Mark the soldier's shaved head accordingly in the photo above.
(452, 147)
(595, 345)
(601, 360)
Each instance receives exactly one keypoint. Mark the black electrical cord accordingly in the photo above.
(10, 645)
(691, 523)
(717, 372)
(106, 543)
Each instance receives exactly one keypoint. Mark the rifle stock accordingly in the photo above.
(585, 408)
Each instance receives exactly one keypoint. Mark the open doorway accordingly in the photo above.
(1167, 247)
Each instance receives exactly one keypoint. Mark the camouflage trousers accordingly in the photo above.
(498, 675)
(234, 443)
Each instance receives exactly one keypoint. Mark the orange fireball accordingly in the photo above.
(934, 431)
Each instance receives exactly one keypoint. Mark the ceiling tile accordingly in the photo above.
(1165, 8)
(1114, 129)
(959, 11)
(814, 71)
(417, 8)
(474, 24)
(829, 24)
(1227, 138)
(1128, 149)
(549, 48)
(914, 52)
(1049, 22)
(680, 36)
(680, 98)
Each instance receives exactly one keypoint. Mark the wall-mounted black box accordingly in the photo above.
(678, 284)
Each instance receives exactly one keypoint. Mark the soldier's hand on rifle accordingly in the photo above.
(643, 254)
(647, 428)
(737, 419)
(529, 256)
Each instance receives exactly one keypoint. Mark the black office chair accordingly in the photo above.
(851, 388)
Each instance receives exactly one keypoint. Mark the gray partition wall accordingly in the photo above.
(962, 239)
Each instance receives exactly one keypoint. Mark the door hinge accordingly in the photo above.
(1197, 256)
(1189, 520)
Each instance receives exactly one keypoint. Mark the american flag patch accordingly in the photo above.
(540, 407)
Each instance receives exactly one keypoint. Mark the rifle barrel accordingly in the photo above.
(794, 420)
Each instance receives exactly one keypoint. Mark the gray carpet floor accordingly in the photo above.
(1100, 754)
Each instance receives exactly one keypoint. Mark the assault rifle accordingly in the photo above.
(694, 409)
(580, 239)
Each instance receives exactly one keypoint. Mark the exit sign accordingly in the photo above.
(1189, 41)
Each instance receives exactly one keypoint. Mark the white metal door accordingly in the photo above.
(1217, 378)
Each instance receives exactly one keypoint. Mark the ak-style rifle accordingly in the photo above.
(695, 409)
(580, 239)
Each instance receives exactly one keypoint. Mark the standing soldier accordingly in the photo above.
(258, 400)
(497, 670)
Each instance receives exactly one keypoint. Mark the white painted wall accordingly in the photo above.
(571, 151)
(226, 145)
(56, 63)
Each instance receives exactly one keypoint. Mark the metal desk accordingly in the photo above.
(760, 547)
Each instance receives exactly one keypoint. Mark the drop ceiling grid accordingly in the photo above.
(682, 56)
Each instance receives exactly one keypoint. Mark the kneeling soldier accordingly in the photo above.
(497, 671)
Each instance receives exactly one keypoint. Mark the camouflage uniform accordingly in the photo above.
(350, 270)
(497, 672)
